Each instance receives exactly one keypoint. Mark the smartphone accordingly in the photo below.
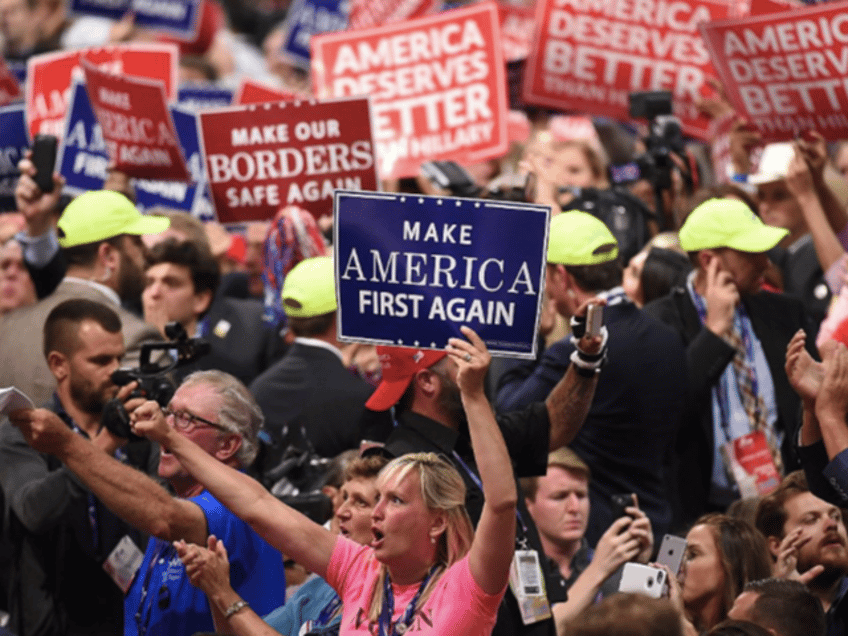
(620, 503)
(44, 159)
(642, 579)
(672, 550)
(594, 320)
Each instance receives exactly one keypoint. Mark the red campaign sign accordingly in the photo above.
(262, 157)
(251, 92)
(763, 7)
(137, 127)
(786, 71)
(10, 90)
(365, 14)
(437, 86)
(589, 56)
(49, 77)
(518, 24)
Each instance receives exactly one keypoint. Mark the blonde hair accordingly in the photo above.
(443, 489)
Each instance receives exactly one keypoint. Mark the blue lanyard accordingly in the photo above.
(92, 501)
(330, 610)
(389, 606)
(142, 616)
(473, 476)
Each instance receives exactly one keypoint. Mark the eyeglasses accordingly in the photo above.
(187, 422)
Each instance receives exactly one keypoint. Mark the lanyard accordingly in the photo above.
(473, 476)
(330, 610)
(405, 620)
(142, 616)
(92, 501)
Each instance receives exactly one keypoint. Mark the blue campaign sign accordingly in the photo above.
(82, 157)
(19, 70)
(13, 132)
(307, 18)
(175, 194)
(203, 97)
(177, 17)
(410, 270)
(112, 9)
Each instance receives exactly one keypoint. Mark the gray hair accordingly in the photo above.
(239, 412)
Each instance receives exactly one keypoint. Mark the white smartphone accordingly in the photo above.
(672, 550)
(642, 579)
(594, 320)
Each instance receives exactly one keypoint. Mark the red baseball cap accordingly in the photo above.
(399, 365)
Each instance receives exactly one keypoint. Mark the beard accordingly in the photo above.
(835, 565)
(450, 400)
(130, 280)
(87, 398)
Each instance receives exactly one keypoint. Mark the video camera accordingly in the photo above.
(452, 177)
(665, 136)
(153, 378)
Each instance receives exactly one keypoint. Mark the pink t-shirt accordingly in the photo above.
(457, 605)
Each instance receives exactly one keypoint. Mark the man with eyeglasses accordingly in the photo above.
(217, 412)
(59, 533)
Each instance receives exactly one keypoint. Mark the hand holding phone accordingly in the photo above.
(672, 550)
(620, 503)
(642, 579)
(594, 320)
(44, 159)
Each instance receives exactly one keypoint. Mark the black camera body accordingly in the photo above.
(665, 136)
(154, 381)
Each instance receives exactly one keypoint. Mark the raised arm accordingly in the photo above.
(831, 405)
(494, 541)
(807, 189)
(292, 533)
(569, 401)
(128, 492)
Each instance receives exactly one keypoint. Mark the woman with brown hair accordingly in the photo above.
(722, 555)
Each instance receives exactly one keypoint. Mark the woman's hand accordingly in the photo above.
(472, 360)
(207, 568)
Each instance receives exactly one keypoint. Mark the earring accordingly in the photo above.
(433, 540)
(106, 274)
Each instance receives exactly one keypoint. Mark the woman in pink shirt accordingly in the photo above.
(426, 571)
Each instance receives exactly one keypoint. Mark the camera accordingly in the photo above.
(450, 176)
(154, 382)
(665, 136)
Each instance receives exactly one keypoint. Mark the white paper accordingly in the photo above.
(12, 399)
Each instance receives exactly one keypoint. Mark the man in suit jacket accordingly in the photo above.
(310, 392)
(99, 233)
(181, 280)
(736, 337)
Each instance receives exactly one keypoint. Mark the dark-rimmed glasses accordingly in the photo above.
(187, 422)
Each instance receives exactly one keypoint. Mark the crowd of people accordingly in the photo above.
(251, 474)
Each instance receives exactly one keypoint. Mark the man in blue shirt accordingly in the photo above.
(217, 412)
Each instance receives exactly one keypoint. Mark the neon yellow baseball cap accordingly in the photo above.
(728, 223)
(98, 215)
(310, 288)
(578, 238)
